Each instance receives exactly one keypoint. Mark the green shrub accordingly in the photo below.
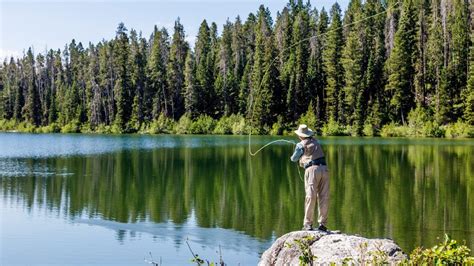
(368, 130)
(52, 128)
(116, 129)
(161, 125)
(204, 124)
(332, 128)
(239, 125)
(26, 127)
(309, 118)
(392, 130)
(103, 129)
(7, 124)
(71, 127)
(459, 130)
(184, 125)
(223, 126)
(447, 253)
(304, 247)
(353, 130)
(86, 128)
(278, 127)
(233, 124)
(432, 129)
(416, 120)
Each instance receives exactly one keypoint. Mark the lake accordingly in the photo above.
(105, 199)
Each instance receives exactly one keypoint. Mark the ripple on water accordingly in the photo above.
(21, 168)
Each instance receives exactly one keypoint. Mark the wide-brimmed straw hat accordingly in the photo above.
(304, 131)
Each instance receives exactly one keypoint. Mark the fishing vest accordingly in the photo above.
(312, 151)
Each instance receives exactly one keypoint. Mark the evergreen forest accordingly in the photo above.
(381, 67)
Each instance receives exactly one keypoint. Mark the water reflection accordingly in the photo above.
(411, 191)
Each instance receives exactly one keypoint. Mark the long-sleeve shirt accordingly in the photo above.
(299, 151)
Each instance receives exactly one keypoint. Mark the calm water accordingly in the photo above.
(87, 199)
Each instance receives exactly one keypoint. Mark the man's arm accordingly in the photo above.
(299, 150)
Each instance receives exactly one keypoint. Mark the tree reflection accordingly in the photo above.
(409, 192)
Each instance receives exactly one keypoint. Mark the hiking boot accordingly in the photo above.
(307, 228)
(322, 228)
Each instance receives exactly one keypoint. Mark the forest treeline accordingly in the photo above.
(382, 67)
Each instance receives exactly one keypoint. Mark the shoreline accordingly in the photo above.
(239, 125)
(237, 135)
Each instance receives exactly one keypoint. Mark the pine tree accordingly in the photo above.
(469, 100)
(70, 106)
(175, 69)
(225, 83)
(469, 95)
(248, 33)
(76, 74)
(435, 64)
(42, 83)
(204, 69)
(298, 96)
(57, 81)
(421, 60)
(314, 64)
(239, 59)
(354, 61)
(19, 100)
(106, 82)
(391, 23)
(191, 100)
(333, 67)
(32, 108)
(156, 74)
(238, 50)
(122, 88)
(400, 64)
(264, 85)
(137, 79)
(458, 54)
(316, 74)
(375, 52)
(283, 41)
(212, 60)
(10, 87)
(48, 94)
(94, 97)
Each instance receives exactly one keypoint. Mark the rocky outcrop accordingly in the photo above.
(331, 247)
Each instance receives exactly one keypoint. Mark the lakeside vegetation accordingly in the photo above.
(383, 68)
(239, 125)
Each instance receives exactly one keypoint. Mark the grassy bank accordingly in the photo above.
(238, 125)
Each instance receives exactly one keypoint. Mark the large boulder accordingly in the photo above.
(331, 248)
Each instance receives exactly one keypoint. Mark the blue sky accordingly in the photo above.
(52, 24)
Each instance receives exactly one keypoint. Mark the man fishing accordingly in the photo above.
(316, 177)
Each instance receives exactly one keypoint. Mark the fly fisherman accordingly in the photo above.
(316, 177)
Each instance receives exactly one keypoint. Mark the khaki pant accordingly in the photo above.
(316, 182)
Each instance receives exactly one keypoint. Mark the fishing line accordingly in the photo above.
(252, 106)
